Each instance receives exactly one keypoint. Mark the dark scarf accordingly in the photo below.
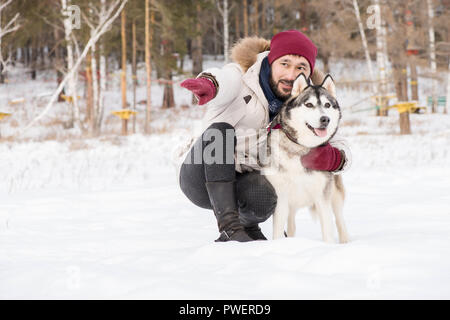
(264, 81)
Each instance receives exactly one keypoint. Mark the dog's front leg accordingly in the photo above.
(279, 217)
(323, 209)
(291, 221)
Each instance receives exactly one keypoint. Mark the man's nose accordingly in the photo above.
(292, 74)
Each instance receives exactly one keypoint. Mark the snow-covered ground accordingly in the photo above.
(104, 218)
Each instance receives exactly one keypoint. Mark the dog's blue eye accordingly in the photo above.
(327, 105)
(309, 105)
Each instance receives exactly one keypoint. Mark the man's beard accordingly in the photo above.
(278, 93)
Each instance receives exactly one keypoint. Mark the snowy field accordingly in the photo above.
(104, 218)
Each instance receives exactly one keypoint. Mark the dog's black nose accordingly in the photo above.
(324, 121)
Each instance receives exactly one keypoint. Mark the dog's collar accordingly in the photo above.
(276, 124)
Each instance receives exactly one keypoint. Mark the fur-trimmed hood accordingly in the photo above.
(245, 52)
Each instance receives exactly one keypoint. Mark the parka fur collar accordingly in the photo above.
(245, 52)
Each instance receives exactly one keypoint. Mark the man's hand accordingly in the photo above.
(202, 88)
(324, 158)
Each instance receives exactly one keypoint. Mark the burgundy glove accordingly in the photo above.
(202, 88)
(323, 158)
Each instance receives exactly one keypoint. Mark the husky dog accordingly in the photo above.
(308, 119)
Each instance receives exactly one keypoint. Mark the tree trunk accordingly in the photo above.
(365, 46)
(34, 57)
(225, 31)
(399, 73)
(447, 103)
(405, 125)
(124, 70)
(215, 37)
(101, 100)
(2, 76)
(168, 98)
(414, 82)
(58, 60)
(237, 19)
(381, 62)
(326, 62)
(197, 55)
(148, 67)
(95, 91)
(134, 71)
(89, 91)
(245, 17)
(277, 17)
(72, 80)
(263, 18)
(432, 54)
(255, 17)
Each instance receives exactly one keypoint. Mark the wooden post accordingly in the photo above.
(124, 70)
(148, 67)
(124, 127)
(405, 124)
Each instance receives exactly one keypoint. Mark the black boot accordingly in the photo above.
(255, 232)
(223, 201)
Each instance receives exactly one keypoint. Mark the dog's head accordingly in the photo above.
(312, 113)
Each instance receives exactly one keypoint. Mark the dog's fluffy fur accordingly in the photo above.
(296, 186)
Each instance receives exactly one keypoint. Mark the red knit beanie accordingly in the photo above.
(292, 42)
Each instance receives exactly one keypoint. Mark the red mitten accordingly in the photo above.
(323, 158)
(202, 88)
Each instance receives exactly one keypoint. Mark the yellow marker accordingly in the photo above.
(16, 101)
(4, 115)
(68, 98)
(405, 107)
(124, 114)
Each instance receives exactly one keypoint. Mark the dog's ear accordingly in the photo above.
(300, 84)
(329, 85)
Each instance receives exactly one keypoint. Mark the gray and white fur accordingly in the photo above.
(308, 119)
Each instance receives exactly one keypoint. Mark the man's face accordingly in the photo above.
(284, 71)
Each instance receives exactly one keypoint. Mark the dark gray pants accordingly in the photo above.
(256, 198)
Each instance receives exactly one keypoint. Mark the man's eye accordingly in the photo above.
(301, 68)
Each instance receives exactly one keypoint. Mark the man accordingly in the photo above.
(242, 98)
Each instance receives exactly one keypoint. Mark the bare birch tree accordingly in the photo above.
(71, 89)
(9, 27)
(432, 54)
(105, 22)
(224, 12)
(365, 46)
(148, 66)
(381, 57)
